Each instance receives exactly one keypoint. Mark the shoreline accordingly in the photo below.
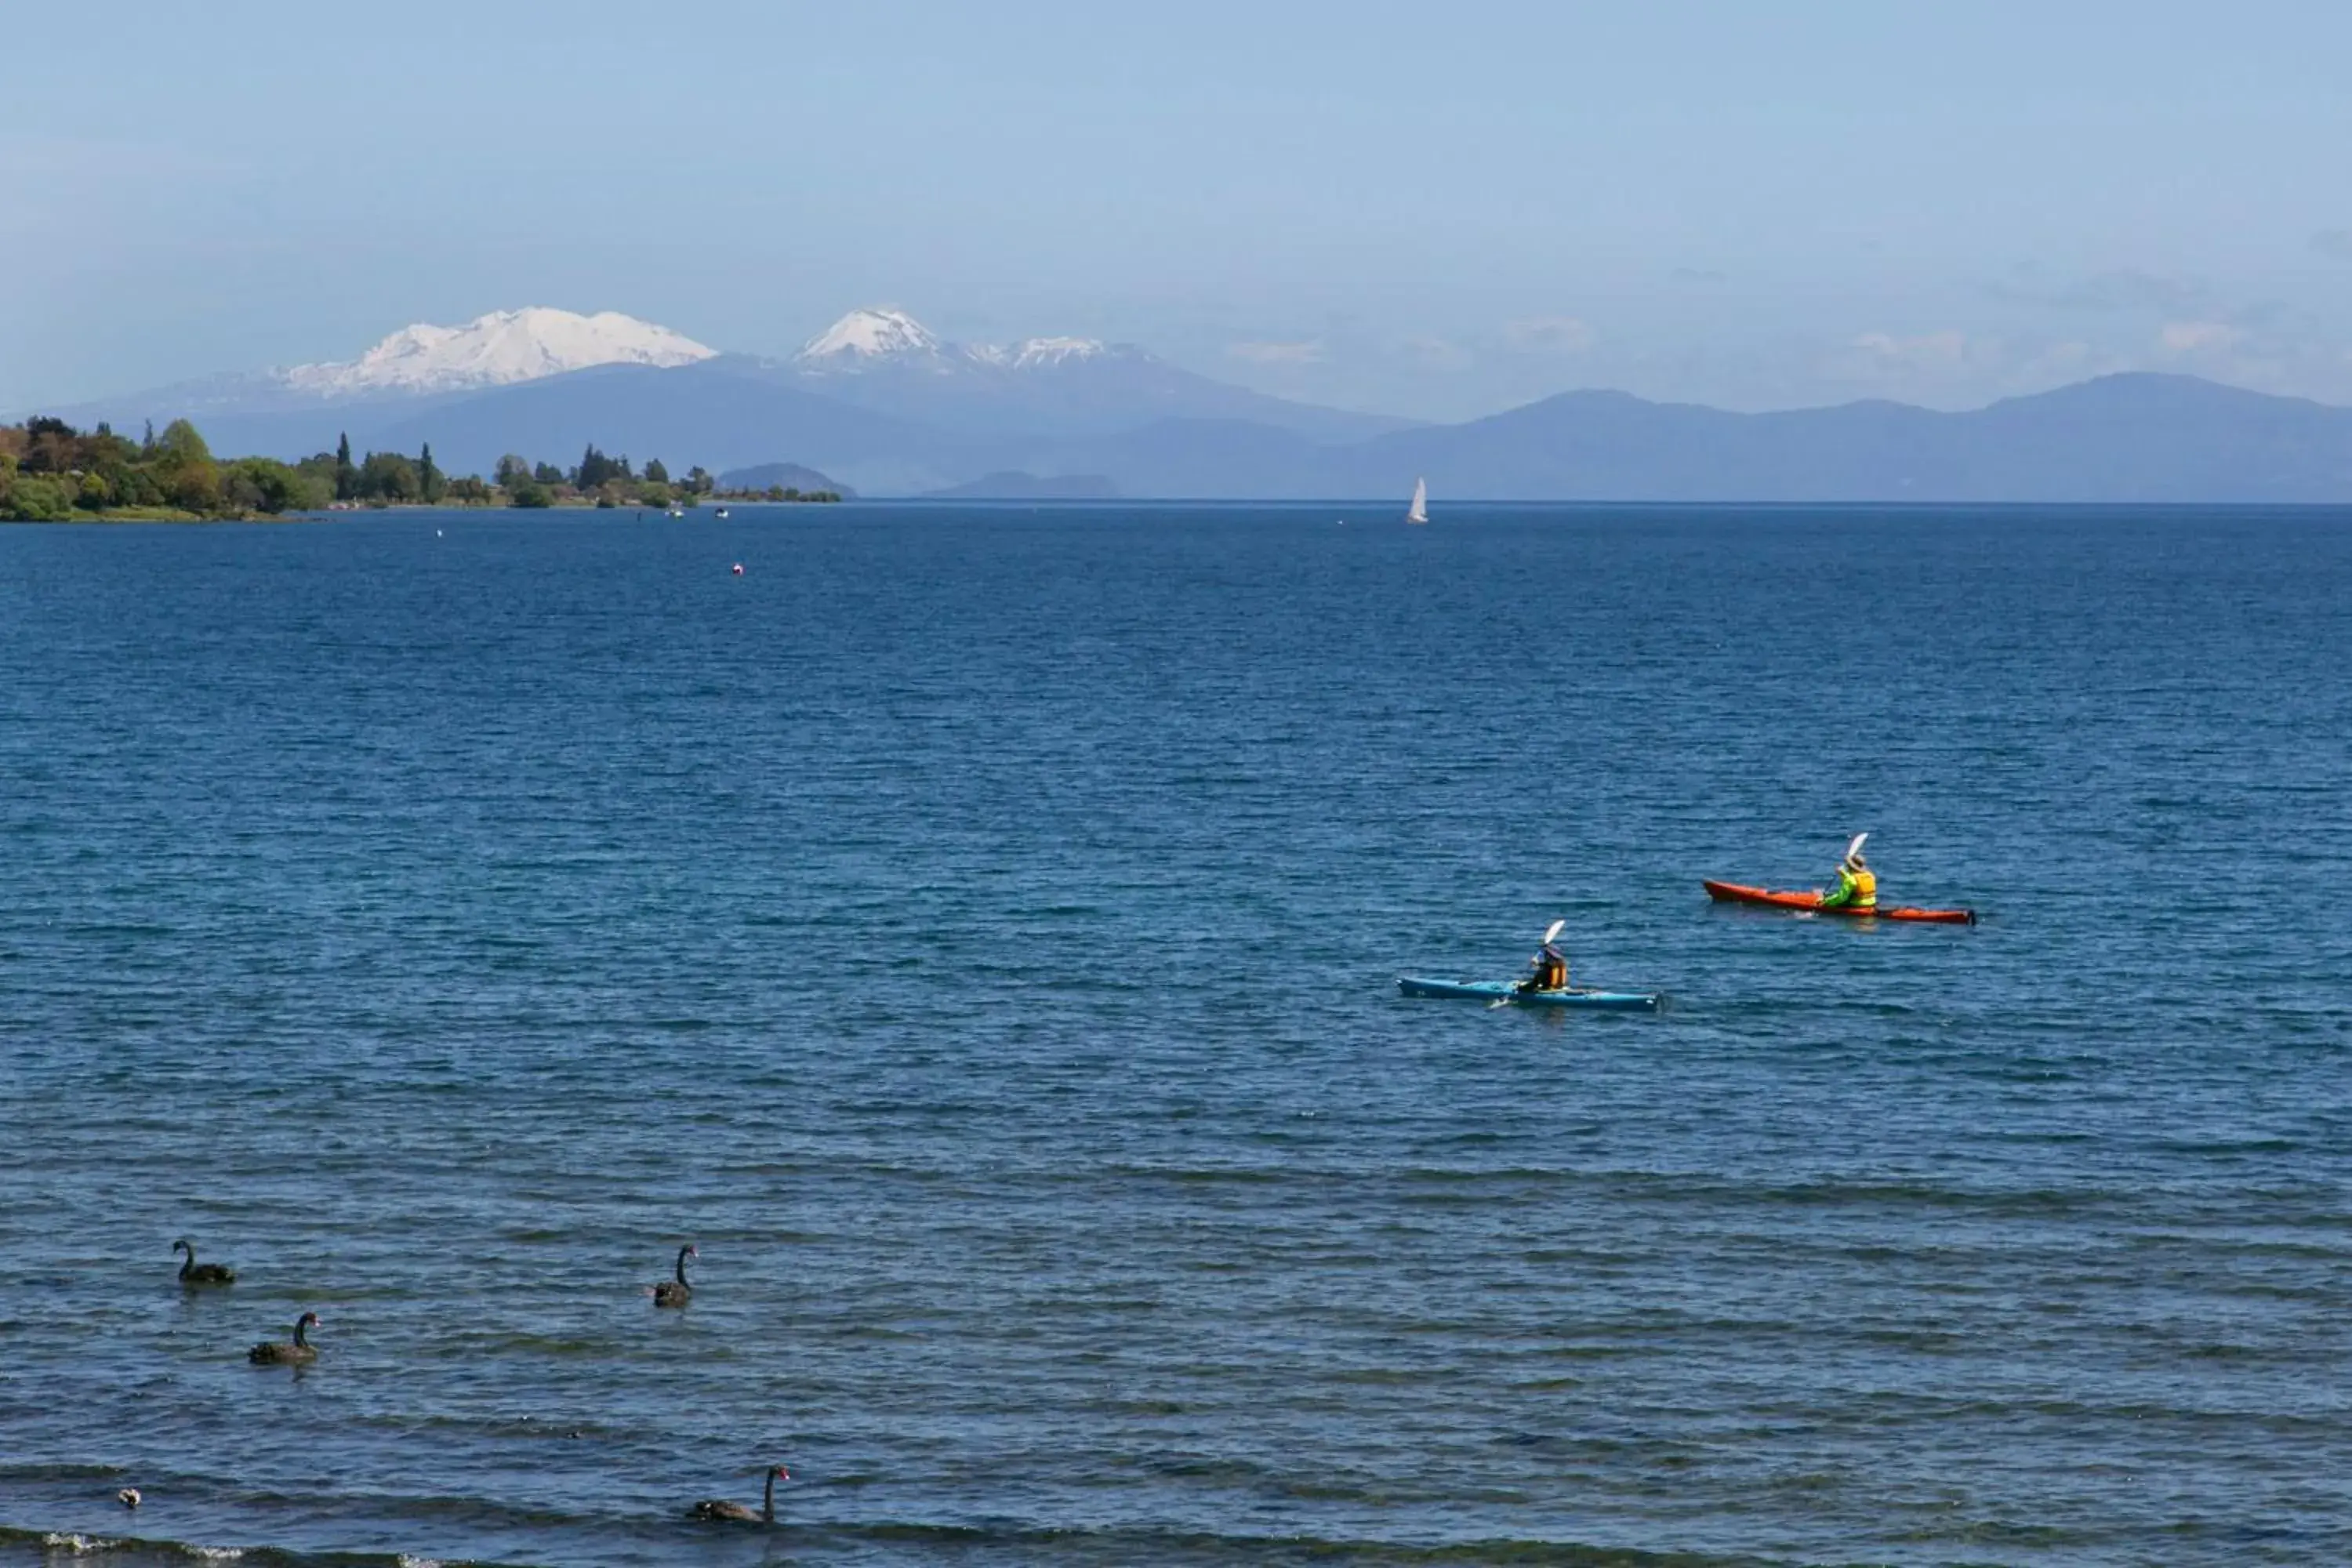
(333, 513)
(173, 518)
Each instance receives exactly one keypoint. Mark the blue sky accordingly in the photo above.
(1439, 210)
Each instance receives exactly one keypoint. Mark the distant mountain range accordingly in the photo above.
(882, 403)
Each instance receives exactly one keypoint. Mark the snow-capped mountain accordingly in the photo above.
(882, 358)
(1033, 353)
(1059, 351)
(876, 337)
(497, 350)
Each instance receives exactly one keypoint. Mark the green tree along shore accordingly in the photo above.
(50, 472)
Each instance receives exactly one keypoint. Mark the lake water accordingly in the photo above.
(978, 931)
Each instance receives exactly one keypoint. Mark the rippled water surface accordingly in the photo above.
(977, 931)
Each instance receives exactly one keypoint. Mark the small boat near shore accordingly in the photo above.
(1498, 992)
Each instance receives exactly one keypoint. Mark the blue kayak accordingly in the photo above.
(1504, 991)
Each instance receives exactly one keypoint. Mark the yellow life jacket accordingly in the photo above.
(1865, 884)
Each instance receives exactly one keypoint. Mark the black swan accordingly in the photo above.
(277, 1352)
(193, 1273)
(736, 1513)
(677, 1292)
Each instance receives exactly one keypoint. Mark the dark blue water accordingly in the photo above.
(978, 931)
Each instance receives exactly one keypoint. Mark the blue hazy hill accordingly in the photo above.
(2132, 437)
(2128, 437)
(720, 413)
(1112, 388)
(2119, 439)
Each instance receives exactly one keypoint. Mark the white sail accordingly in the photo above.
(1420, 512)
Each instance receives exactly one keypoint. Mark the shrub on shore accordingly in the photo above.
(51, 472)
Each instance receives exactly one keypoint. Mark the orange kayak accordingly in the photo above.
(1733, 893)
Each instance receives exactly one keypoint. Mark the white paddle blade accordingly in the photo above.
(1552, 930)
(1854, 848)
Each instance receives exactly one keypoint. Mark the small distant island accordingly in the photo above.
(51, 472)
(781, 481)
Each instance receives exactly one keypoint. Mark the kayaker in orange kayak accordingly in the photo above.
(1551, 966)
(1857, 886)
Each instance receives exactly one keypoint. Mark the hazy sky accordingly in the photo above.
(1434, 209)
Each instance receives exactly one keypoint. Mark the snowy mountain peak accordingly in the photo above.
(503, 347)
(868, 334)
(876, 337)
(1054, 350)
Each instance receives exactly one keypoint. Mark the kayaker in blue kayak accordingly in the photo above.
(1857, 886)
(1551, 966)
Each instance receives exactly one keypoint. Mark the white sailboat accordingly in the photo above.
(1419, 511)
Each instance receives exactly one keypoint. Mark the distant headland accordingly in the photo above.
(51, 472)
